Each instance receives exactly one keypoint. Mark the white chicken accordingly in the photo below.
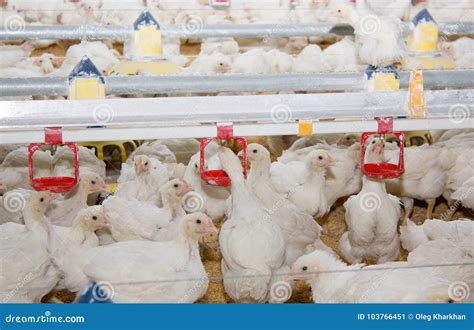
(154, 149)
(102, 56)
(225, 46)
(454, 260)
(170, 272)
(209, 199)
(12, 54)
(304, 182)
(68, 245)
(372, 218)
(63, 211)
(379, 38)
(332, 281)
(150, 176)
(252, 245)
(424, 177)
(253, 61)
(63, 162)
(310, 60)
(343, 56)
(183, 149)
(210, 64)
(132, 220)
(14, 169)
(413, 236)
(298, 227)
(280, 62)
(461, 51)
(25, 257)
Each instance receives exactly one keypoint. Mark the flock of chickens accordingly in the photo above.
(379, 39)
(143, 241)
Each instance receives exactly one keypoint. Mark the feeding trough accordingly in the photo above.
(385, 170)
(59, 184)
(220, 177)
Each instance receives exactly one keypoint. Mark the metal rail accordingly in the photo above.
(130, 85)
(91, 32)
(255, 115)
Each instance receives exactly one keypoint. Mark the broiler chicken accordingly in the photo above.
(252, 245)
(424, 177)
(68, 245)
(304, 182)
(164, 267)
(132, 220)
(379, 38)
(211, 199)
(150, 176)
(332, 281)
(14, 169)
(25, 255)
(63, 211)
(298, 227)
(372, 218)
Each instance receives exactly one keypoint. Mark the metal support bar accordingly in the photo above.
(129, 85)
(77, 32)
(254, 115)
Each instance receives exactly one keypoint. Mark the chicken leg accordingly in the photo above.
(429, 210)
(408, 206)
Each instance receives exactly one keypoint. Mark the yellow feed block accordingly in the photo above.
(148, 41)
(424, 38)
(305, 128)
(86, 88)
(384, 82)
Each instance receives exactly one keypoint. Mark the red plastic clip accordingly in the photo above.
(220, 177)
(53, 136)
(384, 170)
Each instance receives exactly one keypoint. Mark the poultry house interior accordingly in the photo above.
(243, 151)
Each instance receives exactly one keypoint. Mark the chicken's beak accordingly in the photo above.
(240, 154)
(187, 188)
(102, 187)
(139, 167)
(329, 161)
(210, 228)
(295, 276)
(103, 223)
(378, 147)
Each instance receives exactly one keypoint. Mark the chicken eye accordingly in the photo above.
(93, 182)
(146, 164)
(348, 138)
(339, 11)
(198, 221)
(304, 268)
(94, 218)
(221, 64)
(373, 142)
(41, 199)
(176, 185)
(254, 151)
(196, 165)
(320, 157)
